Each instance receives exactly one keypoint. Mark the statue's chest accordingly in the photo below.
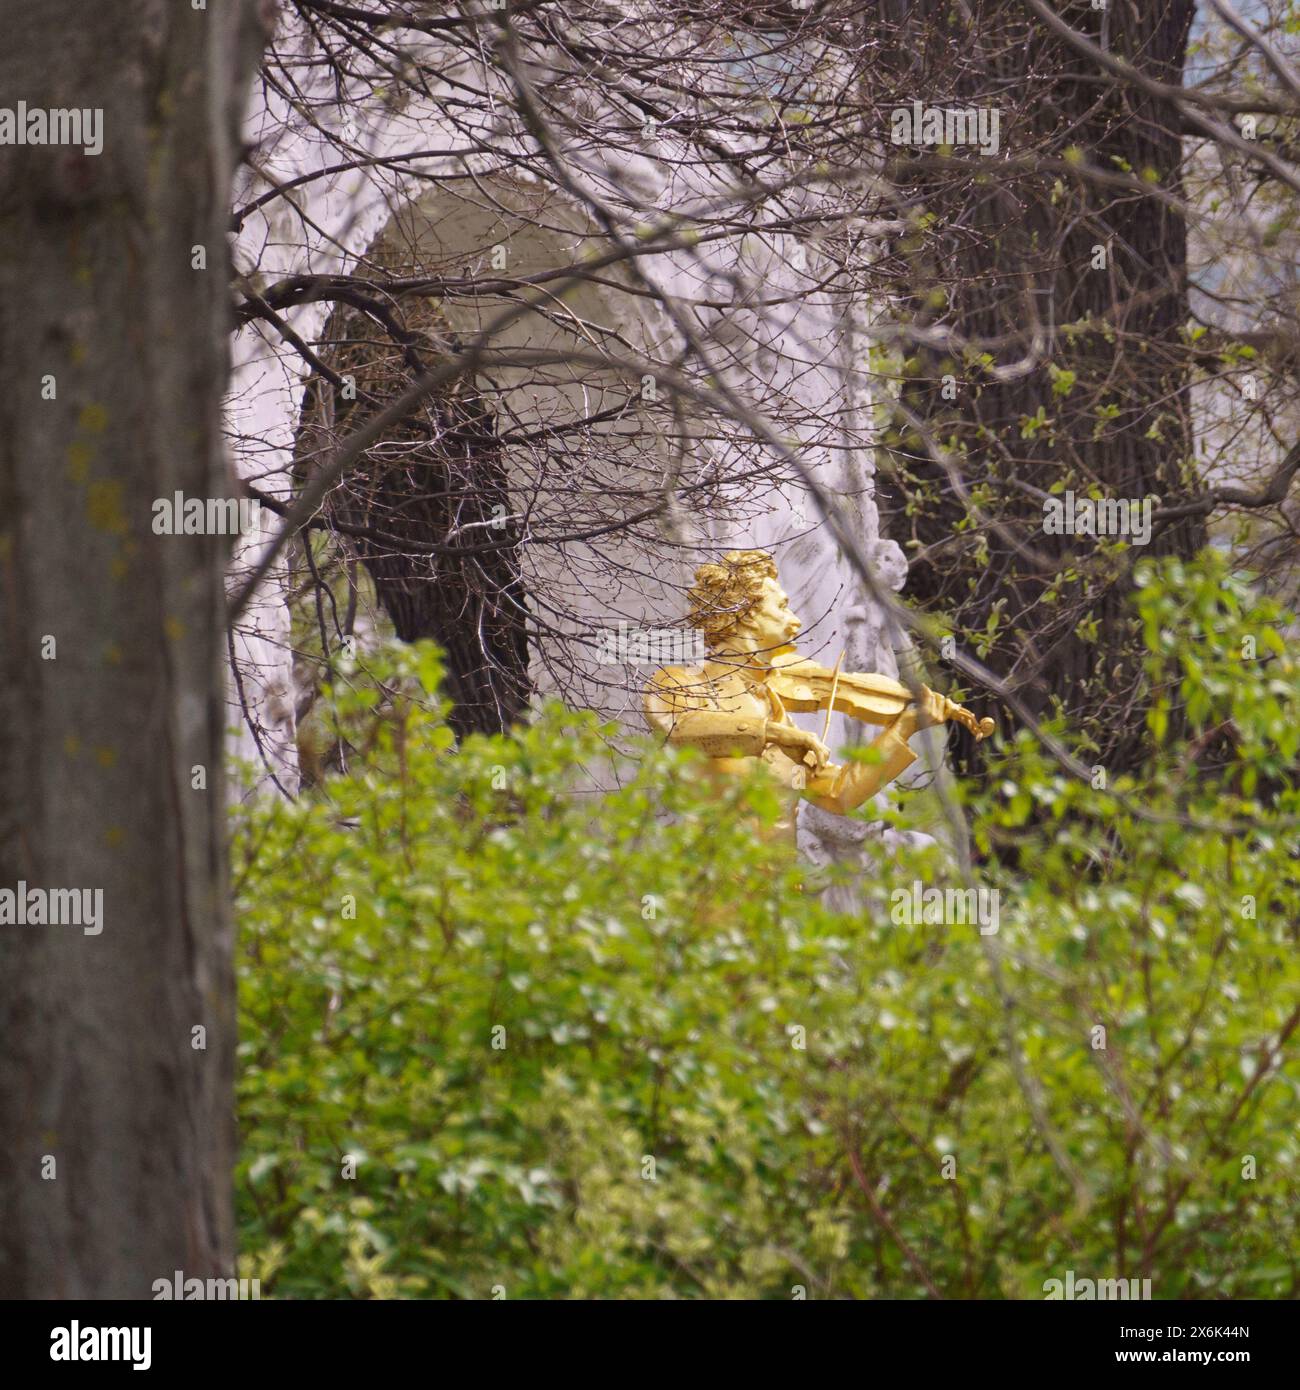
(734, 695)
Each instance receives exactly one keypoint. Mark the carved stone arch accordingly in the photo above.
(532, 455)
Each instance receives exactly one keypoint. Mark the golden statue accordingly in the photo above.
(736, 709)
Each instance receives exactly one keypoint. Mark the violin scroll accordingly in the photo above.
(981, 728)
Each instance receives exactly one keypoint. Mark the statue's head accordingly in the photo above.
(738, 603)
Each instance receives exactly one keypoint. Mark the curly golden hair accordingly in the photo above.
(725, 594)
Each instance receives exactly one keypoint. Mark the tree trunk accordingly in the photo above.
(116, 1111)
(1103, 272)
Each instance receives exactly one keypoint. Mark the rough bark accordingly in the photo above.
(98, 746)
(1018, 247)
(437, 475)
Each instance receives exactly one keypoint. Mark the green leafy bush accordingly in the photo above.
(584, 1044)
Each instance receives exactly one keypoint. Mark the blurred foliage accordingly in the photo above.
(584, 1044)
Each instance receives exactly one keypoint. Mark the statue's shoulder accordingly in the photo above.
(679, 678)
(680, 690)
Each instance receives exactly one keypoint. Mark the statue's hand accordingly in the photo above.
(930, 709)
(799, 742)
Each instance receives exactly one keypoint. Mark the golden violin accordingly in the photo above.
(804, 685)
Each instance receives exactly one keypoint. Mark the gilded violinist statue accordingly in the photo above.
(736, 709)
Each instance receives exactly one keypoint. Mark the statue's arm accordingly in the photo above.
(682, 716)
(843, 789)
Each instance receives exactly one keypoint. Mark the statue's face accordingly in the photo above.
(771, 623)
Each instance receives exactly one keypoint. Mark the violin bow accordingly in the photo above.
(830, 704)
